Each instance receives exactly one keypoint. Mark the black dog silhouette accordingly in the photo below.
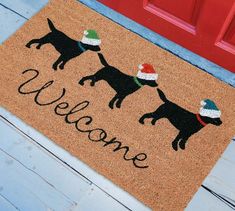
(186, 122)
(123, 84)
(67, 47)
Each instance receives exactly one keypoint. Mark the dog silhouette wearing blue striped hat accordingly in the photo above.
(185, 121)
(67, 47)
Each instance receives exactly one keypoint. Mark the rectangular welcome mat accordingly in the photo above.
(150, 122)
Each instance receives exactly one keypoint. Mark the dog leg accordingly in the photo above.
(40, 42)
(57, 62)
(28, 45)
(145, 116)
(158, 114)
(61, 66)
(63, 63)
(176, 141)
(111, 103)
(155, 118)
(94, 78)
(119, 102)
(183, 142)
(90, 77)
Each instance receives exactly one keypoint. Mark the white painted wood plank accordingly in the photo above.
(9, 23)
(42, 163)
(97, 200)
(27, 8)
(99, 180)
(222, 177)
(221, 180)
(204, 201)
(18, 182)
(6, 205)
(229, 153)
(28, 191)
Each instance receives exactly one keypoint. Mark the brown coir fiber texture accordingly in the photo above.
(137, 157)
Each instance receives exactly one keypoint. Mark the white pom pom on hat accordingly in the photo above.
(147, 72)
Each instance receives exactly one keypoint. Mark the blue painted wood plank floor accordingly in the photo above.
(43, 182)
(33, 179)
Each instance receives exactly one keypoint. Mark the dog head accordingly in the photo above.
(210, 113)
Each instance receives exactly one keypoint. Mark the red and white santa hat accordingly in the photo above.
(147, 72)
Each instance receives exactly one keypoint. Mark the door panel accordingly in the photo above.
(230, 33)
(226, 38)
(185, 10)
(206, 27)
(185, 18)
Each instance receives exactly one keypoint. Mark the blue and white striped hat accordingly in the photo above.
(209, 109)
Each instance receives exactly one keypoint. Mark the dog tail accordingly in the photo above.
(162, 95)
(102, 60)
(51, 25)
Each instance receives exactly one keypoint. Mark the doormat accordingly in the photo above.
(145, 119)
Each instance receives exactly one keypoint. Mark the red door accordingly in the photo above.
(206, 27)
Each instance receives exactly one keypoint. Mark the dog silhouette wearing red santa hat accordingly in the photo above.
(123, 84)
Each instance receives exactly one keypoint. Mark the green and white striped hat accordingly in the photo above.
(90, 37)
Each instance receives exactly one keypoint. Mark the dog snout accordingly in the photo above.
(153, 84)
(218, 122)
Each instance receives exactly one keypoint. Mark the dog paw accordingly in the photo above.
(141, 121)
(38, 46)
(54, 67)
(110, 105)
(118, 105)
(175, 145)
(28, 45)
(81, 82)
(153, 122)
(182, 145)
(61, 67)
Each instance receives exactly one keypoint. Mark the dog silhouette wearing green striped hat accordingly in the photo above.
(185, 121)
(67, 47)
(122, 83)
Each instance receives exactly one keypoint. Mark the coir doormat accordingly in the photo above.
(150, 122)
